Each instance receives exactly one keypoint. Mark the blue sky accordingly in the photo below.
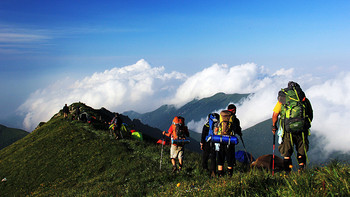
(43, 42)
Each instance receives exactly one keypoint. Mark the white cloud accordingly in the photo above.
(246, 78)
(330, 102)
(217, 78)
(19, 37)
(136, 87)
(196, 125)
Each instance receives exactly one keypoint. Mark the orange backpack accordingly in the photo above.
(179, 127)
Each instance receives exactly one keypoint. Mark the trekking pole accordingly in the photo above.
(246, 153)
(161, 154)
(273, 155)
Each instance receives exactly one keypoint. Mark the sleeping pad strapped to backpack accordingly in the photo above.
(179, 136)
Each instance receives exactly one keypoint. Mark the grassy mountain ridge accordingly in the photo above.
(10, 135)
(72, 158)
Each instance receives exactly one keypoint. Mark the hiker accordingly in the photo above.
(77, 113)
(65, 111)
(207, 146)
(116, 124)
(229, 126)
(177, 131)
(296, 114)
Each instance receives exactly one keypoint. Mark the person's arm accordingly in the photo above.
(237, 127)
(276, 112)
(205, 132)
(274, 122)
(170, 131)
(309, 110)
(187, 133)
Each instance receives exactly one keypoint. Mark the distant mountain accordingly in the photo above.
(258, 139)
(195, 110)
(10, 135)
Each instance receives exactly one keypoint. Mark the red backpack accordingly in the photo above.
(178, 127)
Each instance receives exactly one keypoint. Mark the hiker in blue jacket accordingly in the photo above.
(207, 146)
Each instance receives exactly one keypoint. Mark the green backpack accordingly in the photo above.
(293, 112)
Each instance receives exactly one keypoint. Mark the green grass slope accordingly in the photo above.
(10, 135)
(72, 158)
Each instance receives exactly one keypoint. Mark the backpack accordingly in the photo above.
(226, 122)
(293, 111)
(179, 127)
(244, 157)
(213, 118)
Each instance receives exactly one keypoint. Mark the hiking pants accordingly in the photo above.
(228, 152)
(286, 148)
(209, 153)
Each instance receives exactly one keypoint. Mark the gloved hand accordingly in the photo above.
(274, 129)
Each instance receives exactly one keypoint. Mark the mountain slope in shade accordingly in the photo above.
(10, 135)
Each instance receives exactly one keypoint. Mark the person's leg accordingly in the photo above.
(302, 147)
(212, 157)
(173, 155)
(286, 150)
(180, 156)
(205, 157)
(301, 161)
(288, 165)
(221, 160)
(231, 159)
(180, 164)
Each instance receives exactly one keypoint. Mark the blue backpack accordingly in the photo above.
(244, 157)
(213, 118)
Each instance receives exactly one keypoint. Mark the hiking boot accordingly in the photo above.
(300, 170)
(212, 174)
(220, 174)
(230, 172)
(174, 169)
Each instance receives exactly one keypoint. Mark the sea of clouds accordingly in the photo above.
(142, 88)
